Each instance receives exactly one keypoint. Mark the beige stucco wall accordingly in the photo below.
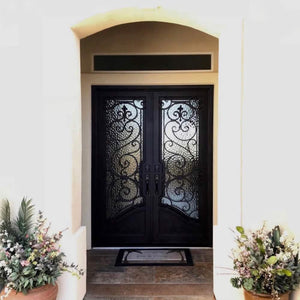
(147, 38)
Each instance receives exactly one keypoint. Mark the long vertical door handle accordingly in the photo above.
(156, 180)
(147, 184)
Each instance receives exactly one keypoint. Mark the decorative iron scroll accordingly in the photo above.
(180, 154)
(124, 144)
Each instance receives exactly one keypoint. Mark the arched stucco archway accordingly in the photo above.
(116, 17)
(227, 120)
(62, 124)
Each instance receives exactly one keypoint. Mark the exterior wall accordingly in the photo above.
(62, 144)
(41, 125)
(40, 110)
(271, 122)
(229, 156)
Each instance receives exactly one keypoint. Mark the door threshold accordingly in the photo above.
(166, 247)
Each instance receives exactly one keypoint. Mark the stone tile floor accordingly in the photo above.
(107, 282)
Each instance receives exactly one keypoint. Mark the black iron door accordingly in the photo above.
(152, 166)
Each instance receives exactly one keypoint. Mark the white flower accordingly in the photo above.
(283, 256)
(8, 270)
(295, 249)
(284, 238)
(2, 263)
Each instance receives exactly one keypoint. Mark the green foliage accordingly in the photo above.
(24, 220)
(272, 260)
(236, 282)
(29, 255)
(240, 229)
(254, 272)
(5, 218)
(18, 228)
(261, 246)
(276, 236)
(282, 272)
(248, 284)
(266, 261)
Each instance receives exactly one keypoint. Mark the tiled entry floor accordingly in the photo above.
(107, 282)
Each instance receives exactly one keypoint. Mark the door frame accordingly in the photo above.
(146, 79)
(157, 89)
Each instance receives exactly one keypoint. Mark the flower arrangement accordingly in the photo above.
(266, 261)
(30, 256)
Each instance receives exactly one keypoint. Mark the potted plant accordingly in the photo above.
(266, 262)
(30, 257)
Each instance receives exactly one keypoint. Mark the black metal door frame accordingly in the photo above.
(152, 168)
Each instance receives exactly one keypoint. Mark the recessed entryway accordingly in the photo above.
(146, 38)
(194, 224)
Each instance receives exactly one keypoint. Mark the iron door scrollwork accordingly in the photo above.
(180, 154)
(152, 166)
(124, 144)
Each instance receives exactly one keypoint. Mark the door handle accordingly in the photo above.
(156, 181)
(147, 184)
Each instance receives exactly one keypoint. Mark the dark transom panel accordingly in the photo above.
(152, 62)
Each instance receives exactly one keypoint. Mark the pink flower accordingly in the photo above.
(25, 263)
(7, 254)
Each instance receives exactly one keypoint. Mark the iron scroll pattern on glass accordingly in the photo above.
(180, 154)
(124, 127)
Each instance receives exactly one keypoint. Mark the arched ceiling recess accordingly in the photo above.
(106, 20)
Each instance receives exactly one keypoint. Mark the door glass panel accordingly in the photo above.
(124, 141)
(180, 154)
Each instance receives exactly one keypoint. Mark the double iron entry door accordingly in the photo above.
(152, 166)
